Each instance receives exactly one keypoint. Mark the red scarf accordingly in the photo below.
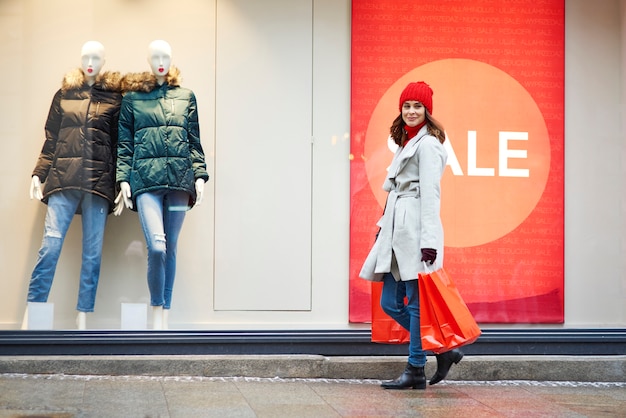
(412, 131)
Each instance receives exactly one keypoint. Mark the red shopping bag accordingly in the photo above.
(445, 320)
(384, 328)
(430, 332)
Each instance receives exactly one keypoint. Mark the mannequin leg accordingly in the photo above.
(166, 317)
(150, 208)
(157, 317)
(61, 209)
(81, 320)
(175, 204)
(94, 215)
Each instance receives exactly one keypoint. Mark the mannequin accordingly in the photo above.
(73, 176)
(162, 175)
(92, 61)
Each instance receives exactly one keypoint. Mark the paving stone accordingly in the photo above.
(64, 396)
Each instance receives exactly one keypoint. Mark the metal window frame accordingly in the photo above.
(321, 342)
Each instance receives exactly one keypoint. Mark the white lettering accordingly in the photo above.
(506, 153)
(453, 162)
(472, 170)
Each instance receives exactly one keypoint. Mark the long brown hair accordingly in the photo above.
(435, 128)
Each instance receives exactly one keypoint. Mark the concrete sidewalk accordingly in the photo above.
(472, 368)
(307, 386)
(63, 396)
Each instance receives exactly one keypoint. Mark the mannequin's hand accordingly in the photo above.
(119, 204)
(126, 194)
(35, 188)
(429, 255)
(199, 191)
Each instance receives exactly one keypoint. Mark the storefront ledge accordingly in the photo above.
(472, 368)
(329, 343)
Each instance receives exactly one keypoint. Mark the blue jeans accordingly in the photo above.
(61, 209)
(407, 315)
(161, 214)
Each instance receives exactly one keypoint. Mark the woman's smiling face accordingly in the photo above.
(413, 113)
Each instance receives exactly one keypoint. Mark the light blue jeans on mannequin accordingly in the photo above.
(407, 315)
(61, 209)
(161, 214)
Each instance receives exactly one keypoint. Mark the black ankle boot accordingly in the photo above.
(413, 377)
(444, 362)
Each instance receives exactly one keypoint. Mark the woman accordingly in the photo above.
(160, 166)
(410, 238)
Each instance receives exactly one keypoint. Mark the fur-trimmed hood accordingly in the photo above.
(106, 81)
(146, 81)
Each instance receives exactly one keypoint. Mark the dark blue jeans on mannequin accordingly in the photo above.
(162, 213)
(392, 301)
(62, 207)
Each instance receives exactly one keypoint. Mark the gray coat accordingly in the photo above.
(411, 220)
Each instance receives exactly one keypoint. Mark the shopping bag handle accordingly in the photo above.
(428, 268)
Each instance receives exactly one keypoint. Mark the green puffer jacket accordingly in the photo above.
(81, 136)
(159, 137)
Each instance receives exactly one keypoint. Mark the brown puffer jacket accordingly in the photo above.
(81, 137)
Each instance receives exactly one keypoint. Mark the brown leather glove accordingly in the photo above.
(429, 255)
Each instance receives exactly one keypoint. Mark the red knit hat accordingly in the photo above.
(420, 92)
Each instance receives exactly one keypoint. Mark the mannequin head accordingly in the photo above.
(92, 59)
(160, 59)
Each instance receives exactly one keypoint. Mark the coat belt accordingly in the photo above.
(383, 263)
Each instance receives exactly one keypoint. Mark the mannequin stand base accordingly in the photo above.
(39, 316)
(81, 318)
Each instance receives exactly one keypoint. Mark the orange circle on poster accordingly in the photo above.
(497, 141)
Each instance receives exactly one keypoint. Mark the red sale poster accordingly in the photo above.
(497, 71)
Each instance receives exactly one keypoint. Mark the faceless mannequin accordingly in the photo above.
(92, 61)
(160, 59)
(147, 197)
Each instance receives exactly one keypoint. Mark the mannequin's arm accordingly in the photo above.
(35, 188)
(52, 128)
(123, 199)
(197, 153)
(199, 190)
(119, 204)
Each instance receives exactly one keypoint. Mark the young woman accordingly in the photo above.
(411, 233)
